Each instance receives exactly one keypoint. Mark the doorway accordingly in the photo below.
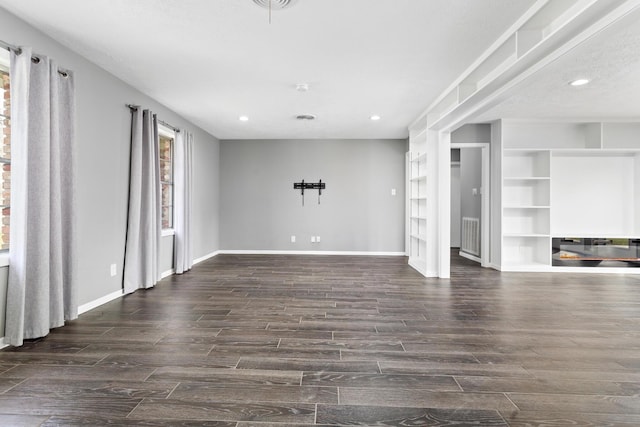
(470, 201)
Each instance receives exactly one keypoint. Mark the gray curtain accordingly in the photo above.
(42, 289)
(142, 250)
(182, 182)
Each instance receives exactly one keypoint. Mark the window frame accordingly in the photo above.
(170, 134)
(5, 115)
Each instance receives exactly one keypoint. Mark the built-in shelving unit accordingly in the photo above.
(526, 236)
(563, 179)
(418, 210)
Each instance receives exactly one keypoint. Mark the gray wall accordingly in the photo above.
(260, 210)
(103, 130)
(470, 178)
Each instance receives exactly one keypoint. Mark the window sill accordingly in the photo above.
(168, 232)
(4, 259)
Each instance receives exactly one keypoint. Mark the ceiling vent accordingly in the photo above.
(274, 4)
(306, 117)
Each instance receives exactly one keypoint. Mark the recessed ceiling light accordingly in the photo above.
(243, 118)
(375, 117)
(579, 82)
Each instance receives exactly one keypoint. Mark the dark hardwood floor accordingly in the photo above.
(322, 340)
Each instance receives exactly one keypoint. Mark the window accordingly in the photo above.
(5, 149)
(167, 137)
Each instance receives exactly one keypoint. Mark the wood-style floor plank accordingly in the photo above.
(408, 416)
(299, 341)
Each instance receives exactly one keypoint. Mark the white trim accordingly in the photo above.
(270, 252)
(168, 232)
(166, 131)
(205, 257)
(561, 270)
(2, 343)
(469, 256)
(168, 273)
(4, 259)
(469, 145)
(100, 301)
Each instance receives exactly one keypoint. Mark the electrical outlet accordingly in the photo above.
(313, 239)
(293, 239)
(113, 270)
(317, 239)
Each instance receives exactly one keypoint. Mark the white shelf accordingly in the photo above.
(524, 268)
(524, 150)
(595, 236)
(509, 235)
(526, 207)
(419, 178)
(419, 236)
(596, 152)
(421, 218)
(418, 198)
(527, 178)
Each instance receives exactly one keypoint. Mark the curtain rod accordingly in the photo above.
(34, 58)
(9, 46)
(135, 107)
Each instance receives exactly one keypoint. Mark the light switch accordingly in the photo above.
(393, 191)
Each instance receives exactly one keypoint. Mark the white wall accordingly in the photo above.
(103, 131)
(592, 196)
(260, 210)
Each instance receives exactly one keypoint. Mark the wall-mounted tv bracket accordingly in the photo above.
(309, 186)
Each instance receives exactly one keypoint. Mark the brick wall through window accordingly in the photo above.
(5, 158)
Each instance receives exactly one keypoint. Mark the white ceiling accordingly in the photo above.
(610, 60)
(214, 60)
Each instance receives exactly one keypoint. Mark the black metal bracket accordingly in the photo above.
(309, 186)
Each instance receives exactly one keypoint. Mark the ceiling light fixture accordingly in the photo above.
(579, 82)
(302, 87)
(243, 118)
(274, 4)
(375, 117)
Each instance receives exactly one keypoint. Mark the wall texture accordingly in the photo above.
(103, 130)
(260, 210)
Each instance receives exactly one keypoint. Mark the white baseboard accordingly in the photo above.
(495, 266)
(167, 273)
(206, 257)
(270, 252)
(469, 256)
(2, 343)
(98, 302)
